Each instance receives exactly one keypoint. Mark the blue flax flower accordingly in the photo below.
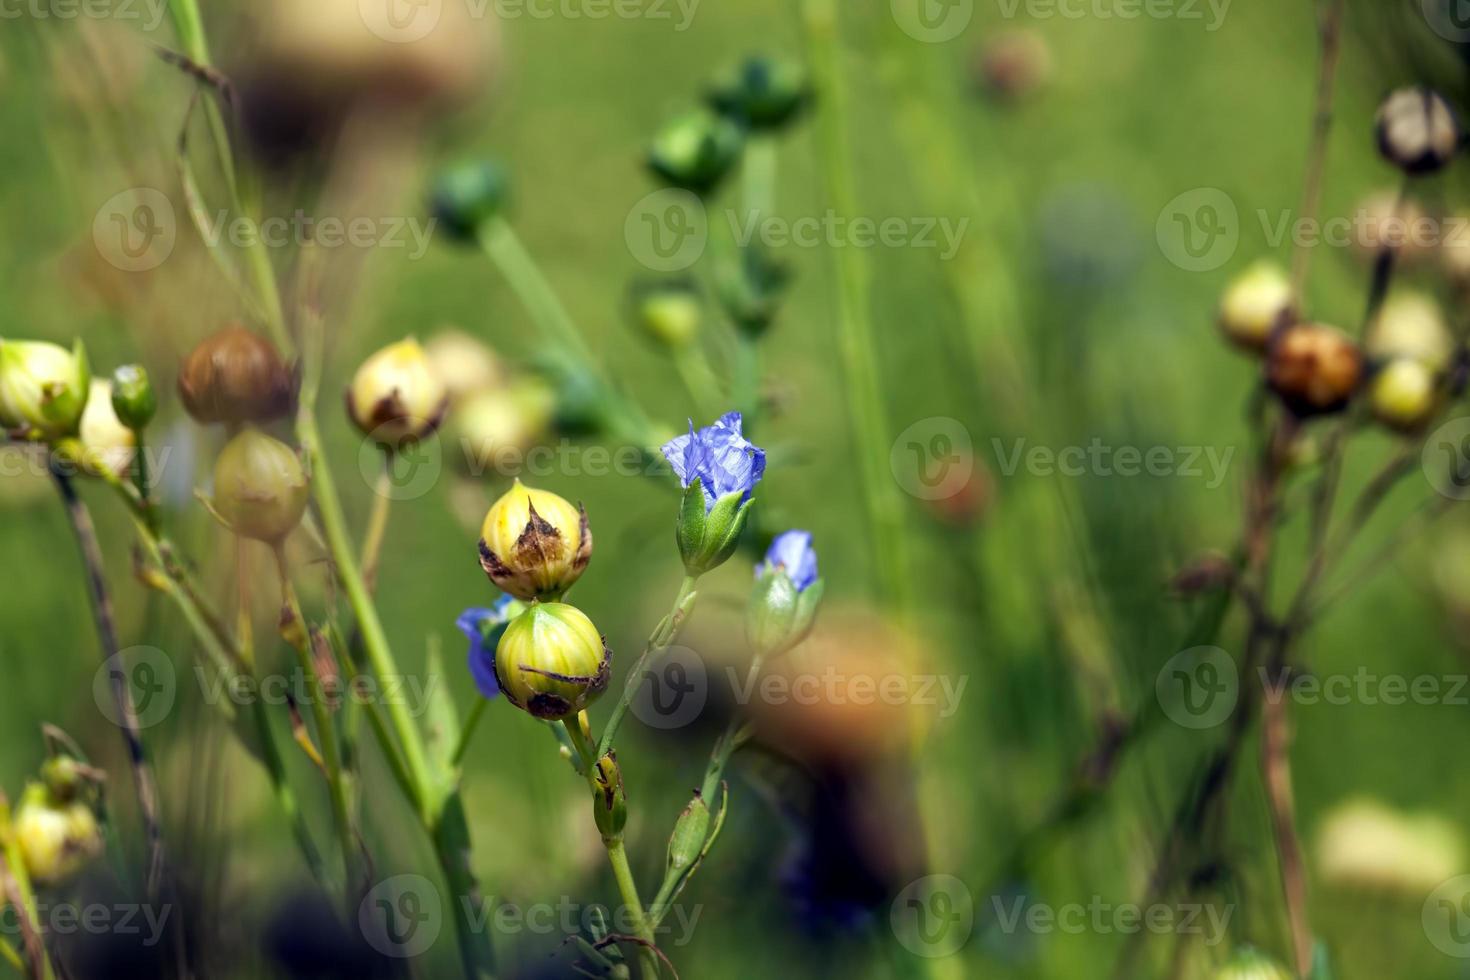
(719, 457)
(478, 625)
(793, 551)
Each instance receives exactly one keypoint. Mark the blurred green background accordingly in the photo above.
(1062, 318)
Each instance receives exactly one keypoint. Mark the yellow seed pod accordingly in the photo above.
(1411, 325)
(56, 839)
(551, 661)
(1404, 395)
(109, 443)
(396, 396)
(1254, 304)
(534, 544)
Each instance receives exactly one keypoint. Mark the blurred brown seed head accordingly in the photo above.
(839, 699)
(1013, 65)
(1387, 220)
(1314, 369)
(1417, 131)
(236, 376)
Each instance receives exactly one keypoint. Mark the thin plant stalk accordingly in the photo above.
(662, 638)
(145, 785)
(377, 528)
(1330, 31)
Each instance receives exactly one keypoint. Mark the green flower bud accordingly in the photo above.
(1404, 395)
(43, 388)
(467, 196)
(133, 400)
(551, 662)
(260, 489)
(763, 93)
(1248, 964)
(695, 151)
(707, 540)
(609, 798)
(56, 838)
(668, 312)
(691, 831)
(752, 289)
(780, 617)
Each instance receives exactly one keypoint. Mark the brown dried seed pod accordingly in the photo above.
(1314, 369)
(236, 376)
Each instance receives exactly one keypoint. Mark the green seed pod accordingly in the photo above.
(670, 313)
(260, 489)
(609, 798)
(1248, 964)
(133, 399)
(763, 93)
(690, 833)
(43, 388)
(467, 196)
(551, 661)
(1404, 395)
(695, 151)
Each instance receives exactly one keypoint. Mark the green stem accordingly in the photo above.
(662, 637)
(471, 723)
(377, 529)
(617, 854)
(13, 872)
(856, 341)
(275, 767)
(326, 730)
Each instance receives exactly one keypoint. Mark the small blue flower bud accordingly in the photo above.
(483, 627)
(718, 469)
(467, 196)
(787, 593)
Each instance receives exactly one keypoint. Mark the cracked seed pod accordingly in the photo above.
(551, 661)
(236, 376)
(396, 398)
(1314, 369)
(1417, 131)
(534, 544)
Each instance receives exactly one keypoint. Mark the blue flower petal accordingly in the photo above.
(719, 456)
(793, 551)
(475, 623)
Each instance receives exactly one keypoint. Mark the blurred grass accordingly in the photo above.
(1069, 186)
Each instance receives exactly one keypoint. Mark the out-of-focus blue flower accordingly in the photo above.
(719, 457)
(792, 551)
(478, 625)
